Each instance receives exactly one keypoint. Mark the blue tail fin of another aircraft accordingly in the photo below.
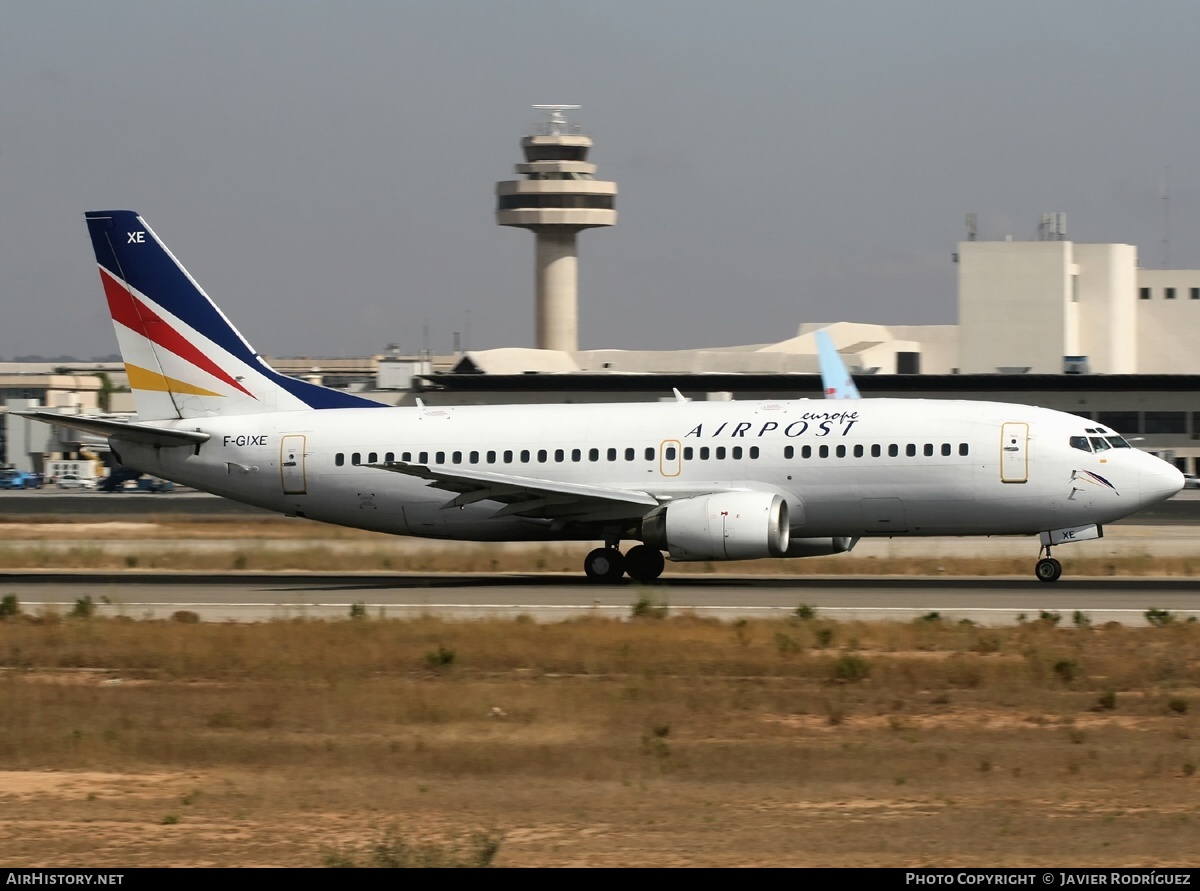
(835, 379)
(183, 357)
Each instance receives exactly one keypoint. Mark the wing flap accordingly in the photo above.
(526, 496)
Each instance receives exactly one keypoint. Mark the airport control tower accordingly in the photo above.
(559, 196)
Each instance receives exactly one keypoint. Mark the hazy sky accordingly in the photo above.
(326, 170)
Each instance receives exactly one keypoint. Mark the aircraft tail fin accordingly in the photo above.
(183, 356)
(835, 379)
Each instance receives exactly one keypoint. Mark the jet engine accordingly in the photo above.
(820, 547)
(722, 526)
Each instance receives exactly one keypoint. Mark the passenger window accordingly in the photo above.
(858, 451)
(670, 453)
(612, 454)
(372, 457)
(928, 450)
(491, 457)
(576, 455)
(649, 454)
(389, 457)
(424, 457)
(560, 455)
(910, 450)
(720, 453)
(964, 449)
(736, 452)
(946, 449)
(524, 456)
(841, 451)
(789, 452)
(806, 452)
(474, 457)
(630, 454)
(703, 453)
(876, 450)
(593, 454)
(1081, 443)
(406, 457)
(543, 456)
(893, 450)
(687, 453)
(753, 451)
(456, 458)
(440, 458)
(508, 456)
(823, 451)
(356, 459)
(339, 459)
(1100, 444)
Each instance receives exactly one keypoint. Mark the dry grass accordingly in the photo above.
(268, 543)
(651, 742)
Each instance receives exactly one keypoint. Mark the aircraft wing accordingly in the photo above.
(143, 433)
(529, 496)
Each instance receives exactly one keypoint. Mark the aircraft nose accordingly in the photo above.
(1160, 480)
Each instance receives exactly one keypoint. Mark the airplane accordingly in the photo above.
(702, 481)
(835, 379)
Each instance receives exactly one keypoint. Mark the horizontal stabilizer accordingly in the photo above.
(144, 433)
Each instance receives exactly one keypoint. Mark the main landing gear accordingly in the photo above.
(607, 565)
(1047, 569)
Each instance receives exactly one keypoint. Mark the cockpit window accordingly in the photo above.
(1081, 443)
(1100, 444)
(1118, 442)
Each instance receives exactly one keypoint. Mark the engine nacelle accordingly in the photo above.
(820, 547)
(723, 526)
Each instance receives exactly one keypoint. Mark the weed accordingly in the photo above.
(804, 612)
(9, 606)
(1178, 705)
(785, 644)
(1158, 617)
(1066, 669)
(1049, 618)
(83, 608)
(170, 820)
(185, 617)
(1107, 701)
(441, 658)
(392, 852)
(358, 610)
(1188, 768)
(824, 636)
(851, 668)
(1081, 619)
(930, 617)
(647, 607)
(741, 629)
(131, 561)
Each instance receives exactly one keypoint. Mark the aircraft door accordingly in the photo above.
(670, 460)
(1014, 453)
(291, 465)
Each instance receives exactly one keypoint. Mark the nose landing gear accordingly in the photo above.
(1047, 569)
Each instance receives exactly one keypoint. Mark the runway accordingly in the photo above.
(254, 597)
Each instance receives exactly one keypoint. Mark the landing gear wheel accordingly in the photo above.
(604, 565)
(644, 563)
(1048, 570)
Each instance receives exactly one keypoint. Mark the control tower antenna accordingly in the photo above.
(559, 197)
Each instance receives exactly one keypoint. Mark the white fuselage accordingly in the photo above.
(849, 468)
